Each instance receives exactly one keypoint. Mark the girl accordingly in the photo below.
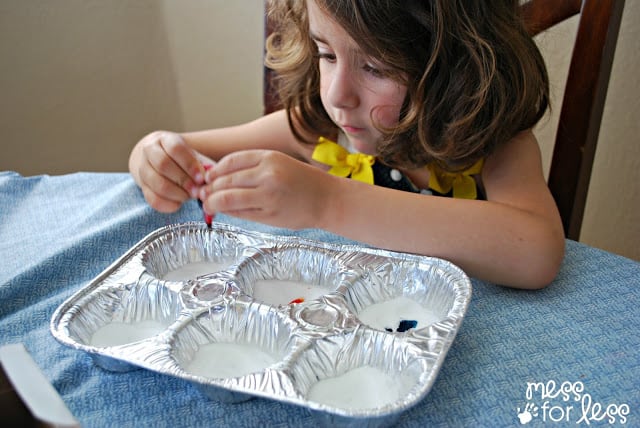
(424, 98)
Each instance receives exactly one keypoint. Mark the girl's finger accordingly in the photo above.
(232, 201)
(163, 165)
(234, 162)
(183, 156)
(205, 161)
(159, 184)
(243, 178)
(159, 203)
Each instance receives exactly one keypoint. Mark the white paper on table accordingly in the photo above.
(42, 400)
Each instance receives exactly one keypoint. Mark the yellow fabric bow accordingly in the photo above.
(342, 162)
(463, 184)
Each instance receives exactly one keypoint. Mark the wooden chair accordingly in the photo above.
(584, 96)
(583, 100)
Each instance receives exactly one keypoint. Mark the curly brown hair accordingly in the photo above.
(474, 76)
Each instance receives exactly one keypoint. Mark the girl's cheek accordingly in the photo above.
(387, 116)
(388, 113)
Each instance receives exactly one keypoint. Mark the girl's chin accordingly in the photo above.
(362, 146)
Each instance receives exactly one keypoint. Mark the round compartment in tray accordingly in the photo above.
(188, 253)
(122, 315)
(286, 274)
(239, 340)
(398, 295)
(364, 374)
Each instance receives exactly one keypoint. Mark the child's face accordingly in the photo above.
(355, 91)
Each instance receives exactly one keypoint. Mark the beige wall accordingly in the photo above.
(82, 80)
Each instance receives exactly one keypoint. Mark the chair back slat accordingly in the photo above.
(584, 97)
(540, 15)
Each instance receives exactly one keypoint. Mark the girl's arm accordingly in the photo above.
(514, 238)
(267, 132)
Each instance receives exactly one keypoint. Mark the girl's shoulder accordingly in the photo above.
(522, 151)
(515, 169)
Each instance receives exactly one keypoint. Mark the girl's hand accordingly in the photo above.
(167, 170)
(269, 187)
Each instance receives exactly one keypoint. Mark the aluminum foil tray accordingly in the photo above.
(355, 335)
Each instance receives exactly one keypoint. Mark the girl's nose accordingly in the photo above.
(343, 89)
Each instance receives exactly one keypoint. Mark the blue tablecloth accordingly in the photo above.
(58, 232)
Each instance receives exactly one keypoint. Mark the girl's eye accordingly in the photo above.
(326, 56)
(373, 70)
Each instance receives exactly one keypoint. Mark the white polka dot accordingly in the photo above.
(395, 175)
(426, 192)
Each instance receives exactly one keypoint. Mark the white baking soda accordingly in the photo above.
(361, 388)
(225, 360)
(388, 314)
(120, 333)
(194, 270)
(276, 292)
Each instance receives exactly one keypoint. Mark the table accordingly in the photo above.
(554, 356)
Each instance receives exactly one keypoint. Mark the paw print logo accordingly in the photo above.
(530, 411)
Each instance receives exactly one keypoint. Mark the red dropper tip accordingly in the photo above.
(207, 217)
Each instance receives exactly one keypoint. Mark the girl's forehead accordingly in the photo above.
(320, 21)
(323, 28)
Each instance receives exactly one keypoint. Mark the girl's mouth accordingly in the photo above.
(351, 129)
